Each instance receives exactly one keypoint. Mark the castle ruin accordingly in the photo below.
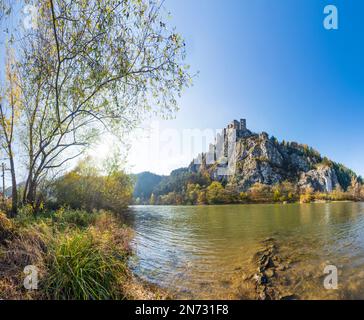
(226, 139)
(235, 124)
(224, 146)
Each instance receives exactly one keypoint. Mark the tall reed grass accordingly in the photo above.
(80, 255)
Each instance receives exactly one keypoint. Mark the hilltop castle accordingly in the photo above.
(239, 127)
(224, 143)
(229, 135)
(235, 124)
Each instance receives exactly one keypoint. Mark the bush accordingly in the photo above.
(306, 198)
(79, 255)
(6, 228)
(78, 218)
(215, 193)
(260, 193)
(86, 188)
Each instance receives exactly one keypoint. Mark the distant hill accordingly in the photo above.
(8, 190)
(145, 182)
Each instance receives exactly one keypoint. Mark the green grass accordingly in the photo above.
(77, 218)
(80, 268)
(81, 255)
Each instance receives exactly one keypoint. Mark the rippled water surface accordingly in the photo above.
(207, 252)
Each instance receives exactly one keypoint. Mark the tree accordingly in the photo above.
(260, 193)
(117, 191)
(338, 193)
(276, 194)
(152, 199)
(362, 193)
(355, 188)
(215, 193)
(192, 193)
(284, 191)
(307, 196)
(243, 197)
(10, 110)
(90, 67)
(201, 199)
(86, 187)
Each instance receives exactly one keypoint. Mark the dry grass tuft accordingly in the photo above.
(27, 247)
(6, 228)
(78, 255)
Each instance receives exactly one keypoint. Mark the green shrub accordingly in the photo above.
(87, 189)
(78, 218)
(6, 228)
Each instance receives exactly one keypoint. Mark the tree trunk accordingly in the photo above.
(30, 196)
(14, 190)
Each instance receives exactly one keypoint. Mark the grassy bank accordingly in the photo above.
(78, 255)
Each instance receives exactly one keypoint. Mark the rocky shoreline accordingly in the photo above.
(270, 279)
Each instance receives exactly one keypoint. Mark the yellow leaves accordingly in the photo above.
(53, 50)
(59, 23)
(13, 90)
(84, 4)
(108, 9)
(12, 106)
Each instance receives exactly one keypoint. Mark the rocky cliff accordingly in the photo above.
(258, 158)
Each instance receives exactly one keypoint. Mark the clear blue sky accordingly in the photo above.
(273, 63)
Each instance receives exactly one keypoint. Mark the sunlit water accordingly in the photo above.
(207, 252)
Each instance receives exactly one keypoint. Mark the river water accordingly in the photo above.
(208, 252)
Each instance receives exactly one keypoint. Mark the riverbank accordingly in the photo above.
(251, 203)
(76, 255)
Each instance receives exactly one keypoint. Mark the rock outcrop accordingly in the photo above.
(258, 158)
(323, 179)
(271, 277)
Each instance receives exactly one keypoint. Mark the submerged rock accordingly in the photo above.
(269, 282)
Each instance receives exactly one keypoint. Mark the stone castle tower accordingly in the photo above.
(239, 127)
(225, 140)
(235, 128)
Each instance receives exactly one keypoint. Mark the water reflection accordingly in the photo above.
(206, 252)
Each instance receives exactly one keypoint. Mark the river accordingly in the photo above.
(213, 252)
